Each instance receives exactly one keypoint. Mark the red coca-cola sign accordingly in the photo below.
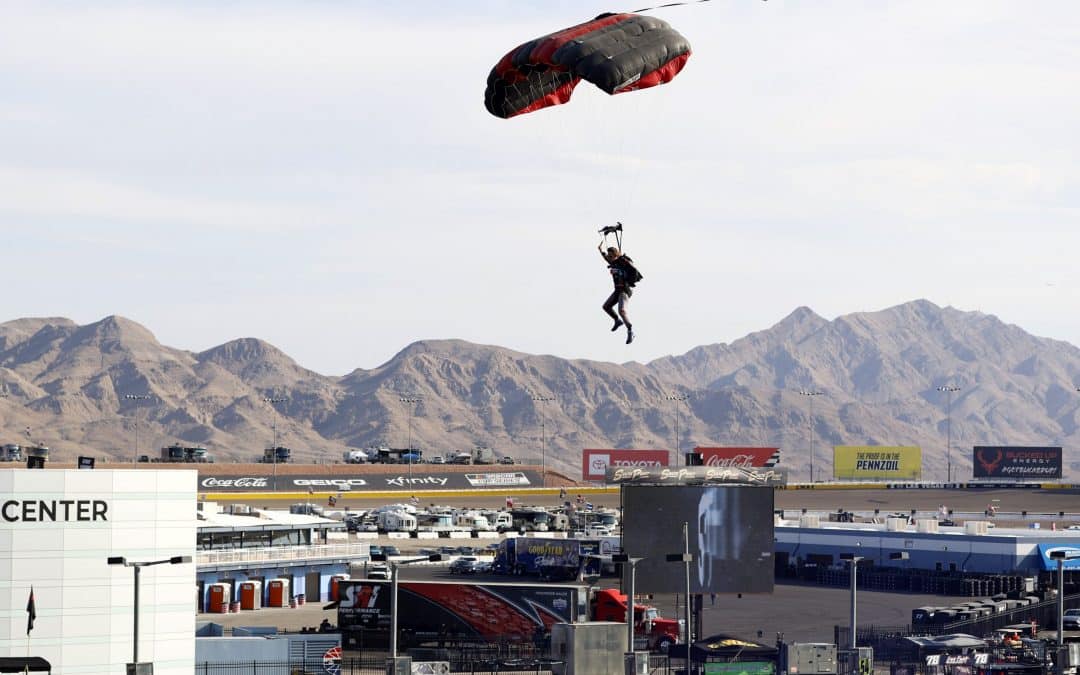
(739, 458)
(595, 463)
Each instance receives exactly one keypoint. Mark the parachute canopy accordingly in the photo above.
(616, 52)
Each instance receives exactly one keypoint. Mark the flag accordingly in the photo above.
(31, 612)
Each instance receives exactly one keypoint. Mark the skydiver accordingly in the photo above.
(617, 265)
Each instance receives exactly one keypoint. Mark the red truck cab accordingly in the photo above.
(661, 633)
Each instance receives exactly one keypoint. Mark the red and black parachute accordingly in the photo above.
(616, 52)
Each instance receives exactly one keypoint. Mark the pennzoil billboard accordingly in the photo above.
(879, 462)
(1002, 461)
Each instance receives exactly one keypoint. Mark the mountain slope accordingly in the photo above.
(878, 374)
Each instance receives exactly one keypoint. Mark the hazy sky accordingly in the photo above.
(323, 175)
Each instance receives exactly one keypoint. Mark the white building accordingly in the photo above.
(57, 530)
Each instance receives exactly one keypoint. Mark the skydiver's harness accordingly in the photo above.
(624, 271)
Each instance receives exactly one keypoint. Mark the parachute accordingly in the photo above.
(616, 52)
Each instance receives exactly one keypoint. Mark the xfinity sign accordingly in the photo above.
(595, 463)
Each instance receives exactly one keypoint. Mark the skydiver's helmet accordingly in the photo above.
(613, 252)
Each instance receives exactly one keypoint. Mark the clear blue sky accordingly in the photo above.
(324, 175)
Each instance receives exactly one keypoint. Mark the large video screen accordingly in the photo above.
(730, 533)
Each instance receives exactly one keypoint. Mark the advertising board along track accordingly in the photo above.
(421, 478)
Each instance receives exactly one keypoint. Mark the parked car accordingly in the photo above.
(438, 459)
(506, 460)
(389, 550)
(464, 565)
(1071, 620)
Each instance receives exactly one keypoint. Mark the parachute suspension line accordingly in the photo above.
(672, 4)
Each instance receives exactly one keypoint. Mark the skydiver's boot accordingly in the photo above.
(618, 324)
(629, 334)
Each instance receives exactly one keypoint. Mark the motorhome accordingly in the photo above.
(396, 521)
(472, 520)
(500, 520)
(11, 453)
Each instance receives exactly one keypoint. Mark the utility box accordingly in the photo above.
(637, 663)
(591, 648)
(399, 665)
(277, 593)
(251, 595)
(808, 658)
(219, 596)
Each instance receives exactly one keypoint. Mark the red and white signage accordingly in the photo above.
(739, 458)
(595, 463)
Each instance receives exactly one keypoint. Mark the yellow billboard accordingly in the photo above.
(903, 462)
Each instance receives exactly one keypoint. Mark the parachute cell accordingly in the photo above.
(616, 52)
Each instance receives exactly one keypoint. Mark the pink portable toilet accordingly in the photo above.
(251, 595)
(278, 591)
(219, 594)
(335, 579)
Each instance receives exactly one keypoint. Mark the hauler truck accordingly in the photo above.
(440, 612)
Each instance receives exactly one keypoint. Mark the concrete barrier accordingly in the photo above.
(367, 535)
(460, 535)
(427, 535)
(487, 535)
(398, 535)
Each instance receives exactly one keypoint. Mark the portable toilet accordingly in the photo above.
(220, 595)
(251, 595)
(335, 579)
(278, 593)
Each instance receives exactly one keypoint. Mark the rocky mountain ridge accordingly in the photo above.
(82, 389)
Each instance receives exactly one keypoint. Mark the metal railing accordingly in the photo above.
(369, 666)
(281, 553)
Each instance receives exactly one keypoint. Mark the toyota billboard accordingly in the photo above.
(738, 458)
(595, 463)
(730, 533)
(995, 461)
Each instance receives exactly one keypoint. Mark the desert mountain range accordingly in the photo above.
(878, 373)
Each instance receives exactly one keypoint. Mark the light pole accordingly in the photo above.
(810, 394)
(412, 401)
(1061, 555)
(120, 560)
(136, 398)
(678, 398)
(948, 389)
(623, 558)
(854, 560)
(543, 434)
(272, 400)
(435, 557)
(686, 558)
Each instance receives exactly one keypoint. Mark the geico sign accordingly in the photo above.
(246, 482)
(328, 482)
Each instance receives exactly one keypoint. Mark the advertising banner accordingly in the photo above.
(1070, 550)
(997, 461)
(473, 611)
(880, 462)
(595, 463)
(730, 530)
(694, 475)
(740, 458)
(418, 480)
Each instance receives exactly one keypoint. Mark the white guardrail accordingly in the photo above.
(282, 553)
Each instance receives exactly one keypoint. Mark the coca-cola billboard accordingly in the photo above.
(738, 458)
(595, 463)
